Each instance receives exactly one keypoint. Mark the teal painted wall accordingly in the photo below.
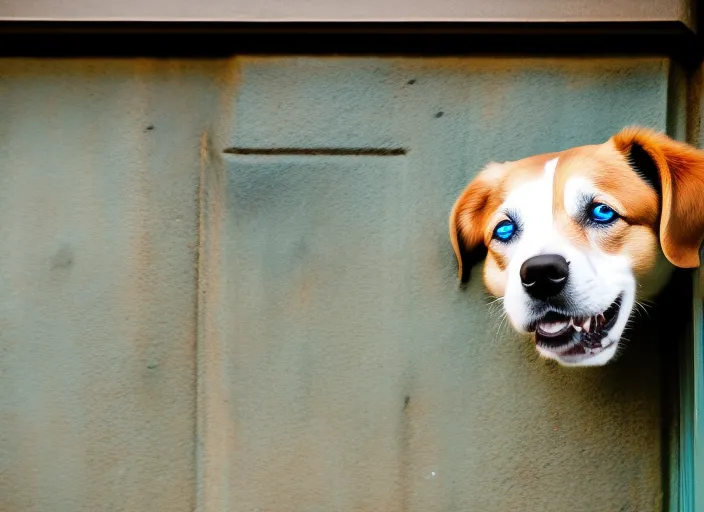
(98, 250)
(188, 319)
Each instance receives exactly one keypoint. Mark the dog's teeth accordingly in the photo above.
(587, 324)
(574, 326)
(553, 327)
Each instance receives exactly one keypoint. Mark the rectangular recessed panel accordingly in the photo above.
(315, 355)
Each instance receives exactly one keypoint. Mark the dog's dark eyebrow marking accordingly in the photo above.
(514, 216)
(641, 162)
(585, 199)
(317, 151)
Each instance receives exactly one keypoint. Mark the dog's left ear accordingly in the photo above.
(676, 170)
(468, 219)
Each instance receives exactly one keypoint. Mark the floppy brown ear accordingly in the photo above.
(468, 220)
(680, 170)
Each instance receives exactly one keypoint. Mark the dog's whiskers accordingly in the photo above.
(642, 307)
(496, 312)
(500, 328)
(497, 299)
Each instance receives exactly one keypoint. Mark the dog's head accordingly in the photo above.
(574, 239)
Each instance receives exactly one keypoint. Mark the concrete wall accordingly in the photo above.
(229, 284)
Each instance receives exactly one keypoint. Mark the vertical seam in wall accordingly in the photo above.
(673, 387)
(199, 306)
(696, 393)
(693, 106)
(681, 125)
(213, 421)
(694, 98)
(676, 124)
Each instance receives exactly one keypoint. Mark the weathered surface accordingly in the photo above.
(355, 374)
(329, 360)
(98, 199)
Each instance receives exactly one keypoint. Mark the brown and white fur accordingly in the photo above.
(653, 183)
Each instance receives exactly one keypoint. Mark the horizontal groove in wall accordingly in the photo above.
(317, 151)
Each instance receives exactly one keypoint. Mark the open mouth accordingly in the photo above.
(576, 335)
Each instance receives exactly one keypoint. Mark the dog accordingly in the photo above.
(573, 240)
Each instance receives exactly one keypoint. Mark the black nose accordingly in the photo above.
(545, 275)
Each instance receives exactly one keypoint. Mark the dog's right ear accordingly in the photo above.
(468, 219)
(677, 170)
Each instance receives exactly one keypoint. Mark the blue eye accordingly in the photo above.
(505, 230)
(602, 214)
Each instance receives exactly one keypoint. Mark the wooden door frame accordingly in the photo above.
(670, 37)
